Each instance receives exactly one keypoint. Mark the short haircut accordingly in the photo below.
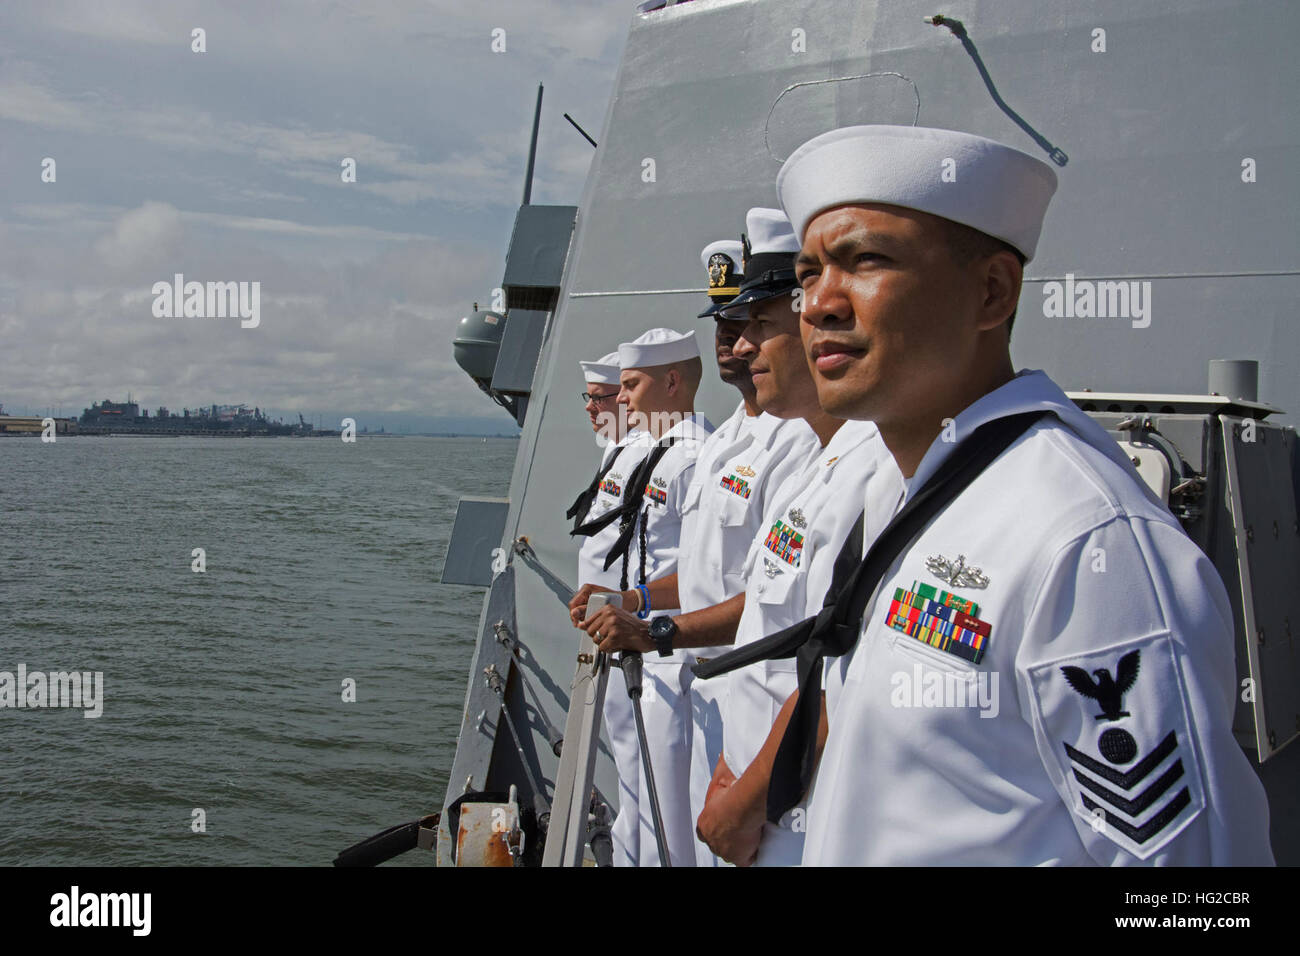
(691, 371)
(967, 244)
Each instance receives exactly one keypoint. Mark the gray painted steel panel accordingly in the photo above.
(482, 714)
(538, 247)
(480, 524)
(520, 344)
(1268, 541)
(1156, 130)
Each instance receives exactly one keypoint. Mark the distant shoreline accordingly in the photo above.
(62, 436)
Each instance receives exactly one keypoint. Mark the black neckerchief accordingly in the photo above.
(633, 491)
(834, 631)
(582, 504)
(629, 511)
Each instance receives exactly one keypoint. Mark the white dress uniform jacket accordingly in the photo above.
(787, 572)
(692, 564)
(735, 478)
(1046, 676)
(665, 701)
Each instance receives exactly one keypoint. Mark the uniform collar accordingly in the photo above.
(634, 436)
(738, 426)
(1031, 390)
(693, 425)
(846, 438)
(736, 420)
(764, 429)
(630, 438)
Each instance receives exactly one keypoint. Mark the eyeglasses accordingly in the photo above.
(588, 397)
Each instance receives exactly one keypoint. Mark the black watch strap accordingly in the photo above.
(663, 635)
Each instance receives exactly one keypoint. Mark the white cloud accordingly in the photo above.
(225, 166)
(140, 234)
(24, 102)
(482, 174)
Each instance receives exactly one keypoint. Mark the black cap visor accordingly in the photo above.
(738, 308)
(718, 305)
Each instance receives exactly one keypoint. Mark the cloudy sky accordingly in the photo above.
(225, 165)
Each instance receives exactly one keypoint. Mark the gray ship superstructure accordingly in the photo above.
(1171, 243)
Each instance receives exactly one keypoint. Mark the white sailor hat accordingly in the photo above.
(769, 260)
(603, 371)
(722, 261)
(971, 180)
(658, 347)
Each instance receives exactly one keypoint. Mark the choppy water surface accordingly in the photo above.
(223, 690)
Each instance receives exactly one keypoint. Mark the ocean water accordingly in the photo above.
(223, 690)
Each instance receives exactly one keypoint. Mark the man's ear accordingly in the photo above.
(673, 381)
(1001, 276)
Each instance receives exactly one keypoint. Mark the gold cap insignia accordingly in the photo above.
(721, 269)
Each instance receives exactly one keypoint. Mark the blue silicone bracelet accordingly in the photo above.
(645, 598)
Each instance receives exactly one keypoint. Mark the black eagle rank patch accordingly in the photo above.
(1117, 722)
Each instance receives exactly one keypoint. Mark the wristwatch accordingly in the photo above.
(662, 632)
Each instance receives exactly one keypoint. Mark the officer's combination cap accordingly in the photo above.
(769, 265)
(722, 262)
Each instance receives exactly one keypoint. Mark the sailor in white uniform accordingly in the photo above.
(602, 499)
(735, 479)
(704, 568)
(789, 558)
(1044, 670)
(624, 450)
(738, 472)
(660, 373)
(788, 570)
(722, 261)
(600, 402)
